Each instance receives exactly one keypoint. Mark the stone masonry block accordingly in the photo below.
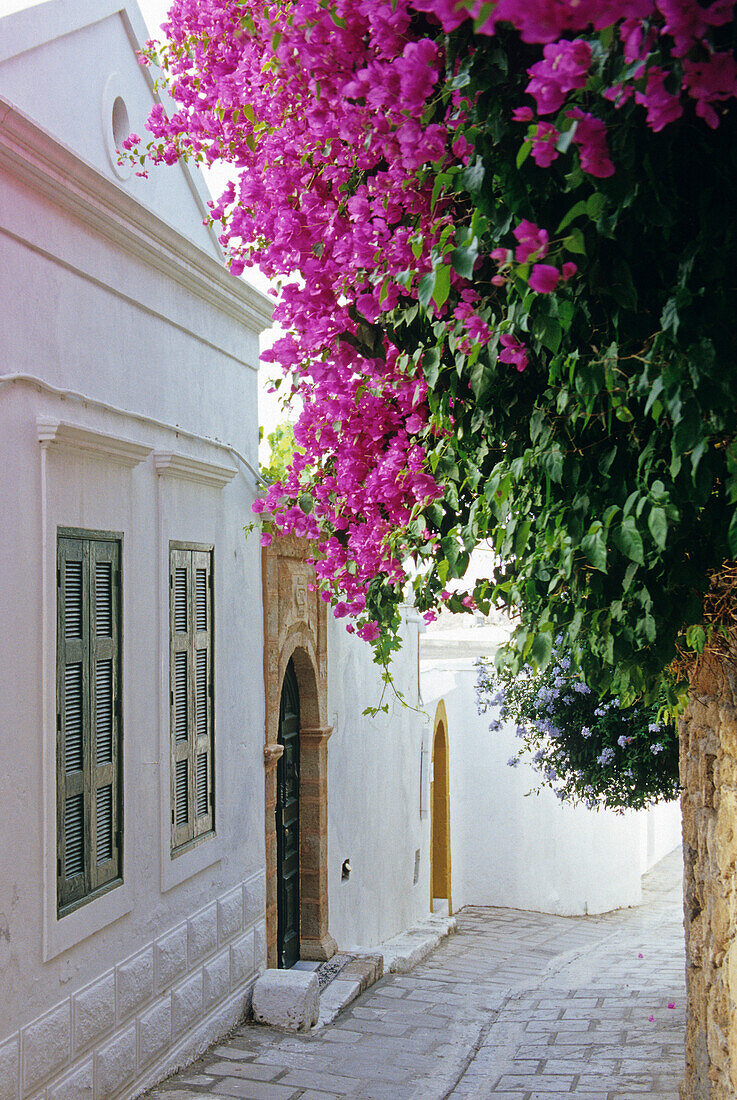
(203, 934)
(230, 915)
(154, 1031)
(217, 979)
(287, 998)
(77, 1086)
(186, 1005)
(9, 1068)
(171, 957)
(135, 981)
(241, 960)
(94, 1012)
(115, 1064)
(46, 1046)
(254, 899)
(259, 946)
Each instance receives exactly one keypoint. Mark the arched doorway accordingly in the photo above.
(440, 894)
(287, 824)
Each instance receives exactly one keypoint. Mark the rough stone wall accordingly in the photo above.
(708, 737)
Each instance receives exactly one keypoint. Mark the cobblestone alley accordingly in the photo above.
(516, 1005)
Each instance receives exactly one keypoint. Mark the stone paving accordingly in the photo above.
(516, 1005)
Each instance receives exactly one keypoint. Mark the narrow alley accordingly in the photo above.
(516, 1005)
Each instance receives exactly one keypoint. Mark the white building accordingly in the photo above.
(144, 863)
(497, 843)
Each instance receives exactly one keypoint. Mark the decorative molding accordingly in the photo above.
(41, 162)
(272, 755)
(53, 432)
(315, 735)
(171, 464)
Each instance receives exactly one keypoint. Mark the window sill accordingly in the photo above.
(84, 919)
(195, 856)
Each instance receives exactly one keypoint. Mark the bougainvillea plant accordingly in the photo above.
(503, 243)
(585, 749)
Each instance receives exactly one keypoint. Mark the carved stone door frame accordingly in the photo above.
(295, 627)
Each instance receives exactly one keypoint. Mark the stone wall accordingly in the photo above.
(708, 735)
(149, 1014)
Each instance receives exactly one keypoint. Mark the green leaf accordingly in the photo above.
(541, 648)
(472, 176)
(575, 212)
(696, 638)
(657, 521)
(574, 242)
(431, 366)
(464, 258)
(629, 540)
(426, 288)
(594, 547)
(595, 204)
(442, 285)
(524, 151)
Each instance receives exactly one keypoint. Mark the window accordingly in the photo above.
(88, 719)
(191, 692)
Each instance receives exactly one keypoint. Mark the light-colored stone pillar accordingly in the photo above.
(708, 746)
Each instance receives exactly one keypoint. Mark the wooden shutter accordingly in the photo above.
(203, 695)
(89, 812)
(105, 712)
(191, 694)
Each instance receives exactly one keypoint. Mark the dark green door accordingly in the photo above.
(287, 824)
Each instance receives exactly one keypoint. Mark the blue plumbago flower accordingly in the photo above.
(586, 732)
(565, 663)
(559, 793)
(623, 740)
(495, 725)
(551, 774)
(559, 681)
(568, 700)
(581, 688)
(654, 727)
(656, 748)
(495, 700)
(553, 731)
(520, 731)
(629, 773)
(539, 755)
(599, 712)
(605, 756)
(512, 762)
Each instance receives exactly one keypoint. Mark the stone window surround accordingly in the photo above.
(295, 627)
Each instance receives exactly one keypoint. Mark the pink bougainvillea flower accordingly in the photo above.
(544, 151)
(568, 270)
(369, 632)
(651, 1019)
(523, 114)
(671, 1004)
(544, 278)
(640, 955)
(590, 137)
(514, 352)
(533, 241)
(564, 68)
(266, 539)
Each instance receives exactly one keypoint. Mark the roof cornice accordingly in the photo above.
(39, 161)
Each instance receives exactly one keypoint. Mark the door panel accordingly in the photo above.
(287, 824)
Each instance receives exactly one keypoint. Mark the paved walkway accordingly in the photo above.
(516, 1005)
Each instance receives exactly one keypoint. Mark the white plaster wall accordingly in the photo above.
(374, 794)
(137, 980)
(528, 851)
(62, 63)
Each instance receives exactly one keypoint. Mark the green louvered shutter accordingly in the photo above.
(191, 694)
(89, 732)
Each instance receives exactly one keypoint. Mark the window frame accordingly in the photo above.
(198, 828)
(95, 883)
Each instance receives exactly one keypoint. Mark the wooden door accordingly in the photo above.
(287, 824)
